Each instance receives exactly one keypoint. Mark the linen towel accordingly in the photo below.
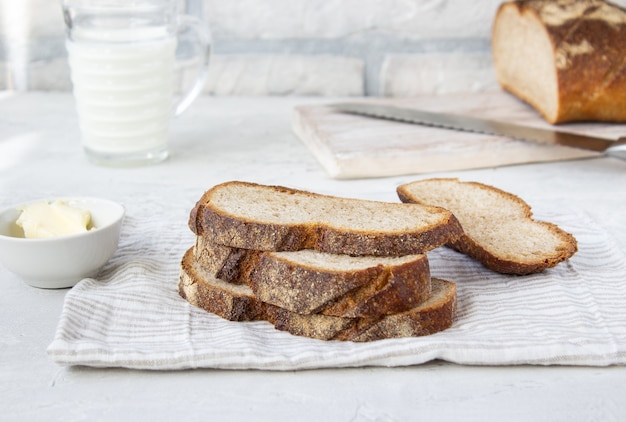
(133, 317)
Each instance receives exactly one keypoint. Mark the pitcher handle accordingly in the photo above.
(203, 41)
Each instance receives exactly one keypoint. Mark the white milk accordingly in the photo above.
(123, 92)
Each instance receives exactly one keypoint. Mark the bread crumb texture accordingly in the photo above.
(278, 205)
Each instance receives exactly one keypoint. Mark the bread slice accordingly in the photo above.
(499, 229)
(565, 58)
(433, 315)
(312, 282)
(238, 303)
(274, 218)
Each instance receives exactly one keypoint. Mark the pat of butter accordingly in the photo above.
(44, 219)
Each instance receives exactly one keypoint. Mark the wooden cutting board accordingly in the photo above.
(350, 146)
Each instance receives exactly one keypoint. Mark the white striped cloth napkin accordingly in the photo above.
(132, 316)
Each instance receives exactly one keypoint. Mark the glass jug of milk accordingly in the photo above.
(122, 57)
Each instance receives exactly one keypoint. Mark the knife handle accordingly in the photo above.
(618, 149)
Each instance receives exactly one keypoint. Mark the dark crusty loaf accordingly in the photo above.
(564, 57)
(238, 303)
(499, 230)
(274, 218)
(312, 282)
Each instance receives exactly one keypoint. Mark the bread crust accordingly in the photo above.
(231, 230)
(317, 326)
(468, 246)
(370, 292)
(432, 316)
(429, 318)
(588, 39)
(278, 279)
(220, 301)
(224, 262)
(493, 260)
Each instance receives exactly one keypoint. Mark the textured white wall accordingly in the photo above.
(333, 19)
(292, 47)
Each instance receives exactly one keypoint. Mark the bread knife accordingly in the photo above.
(615, 148)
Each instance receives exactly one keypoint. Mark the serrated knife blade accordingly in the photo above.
(616, 148)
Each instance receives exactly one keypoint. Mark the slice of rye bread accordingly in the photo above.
(312, 282)
(275, 218)
(238, 303)
(499, 230)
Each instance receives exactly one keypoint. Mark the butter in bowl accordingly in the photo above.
(54, 243)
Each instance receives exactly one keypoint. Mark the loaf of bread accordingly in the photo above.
(274, 218)
(312, 282)
(237, 302)
(499, 230)
(563, 57)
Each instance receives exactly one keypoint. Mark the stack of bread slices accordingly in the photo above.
(324, 267)
(318, 266)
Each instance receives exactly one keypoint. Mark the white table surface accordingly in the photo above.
(222, 139)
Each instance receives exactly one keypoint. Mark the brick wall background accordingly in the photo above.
(292, 47)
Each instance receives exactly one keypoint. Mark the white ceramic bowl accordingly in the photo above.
(61, 261)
